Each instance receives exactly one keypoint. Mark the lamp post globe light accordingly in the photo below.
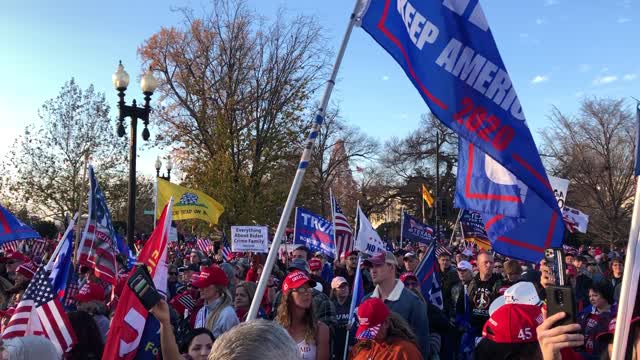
(158, 165)
(148, 84)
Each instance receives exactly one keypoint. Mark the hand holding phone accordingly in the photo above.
(560, 297)
(142, 285)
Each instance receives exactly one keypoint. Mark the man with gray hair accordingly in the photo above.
(261, 338)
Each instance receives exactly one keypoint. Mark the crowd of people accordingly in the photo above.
(490, 307)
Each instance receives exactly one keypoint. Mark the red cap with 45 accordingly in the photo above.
(513, 324)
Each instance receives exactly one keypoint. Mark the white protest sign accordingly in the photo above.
(559, 187)
(173, 234)
(249, 238)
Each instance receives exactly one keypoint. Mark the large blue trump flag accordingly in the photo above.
(524, 237)
(448, 52)
(314, 231)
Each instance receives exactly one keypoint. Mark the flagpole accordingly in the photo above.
(453, 233)
(354, 297)
(155, 203)
(462, 233)
(304, 162)
(357, 226)
(629, 283)
(401, 226)
(83, 194)
(629, 286)
(424, 221)
(333, 222)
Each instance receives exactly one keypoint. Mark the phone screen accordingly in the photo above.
(142, 285)
(555, 261)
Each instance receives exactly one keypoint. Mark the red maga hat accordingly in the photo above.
(513, 324)
(408, 275)
(607, 336)
(315, 264)
(90, 292)
(27, 269)
(295, 280)
(371, 314)
(15, 256)
(212, 275)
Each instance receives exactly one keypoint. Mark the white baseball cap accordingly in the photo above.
(465, 265)
(521, 293)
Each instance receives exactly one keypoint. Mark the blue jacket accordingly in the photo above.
(407, 304)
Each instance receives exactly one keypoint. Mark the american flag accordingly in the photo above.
(12, 246)
(187, 301)
(38, 247)
(227, 254)
(41, 313)
(343, 232)
(442, 250)
(98, 246)
(205, 245)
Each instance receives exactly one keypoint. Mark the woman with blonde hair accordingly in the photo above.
(295, 314)
(217, 314)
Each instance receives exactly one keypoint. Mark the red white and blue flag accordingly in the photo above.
(61, 265)
(205, 245)
(40, 313)
(314, 231)
(358, 292)
(133, 333)
(98, 246)
(414, 230)
(429, 286)
(343, 234)
(12, 229)
(227, 254)
(448, 52)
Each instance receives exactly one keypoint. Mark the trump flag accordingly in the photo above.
(448, 52)
(315, 232)
(414, 230)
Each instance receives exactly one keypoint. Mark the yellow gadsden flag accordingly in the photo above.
(189, 203)
(426, 196)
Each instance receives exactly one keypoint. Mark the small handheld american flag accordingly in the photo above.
(205, 245)
(227, 254)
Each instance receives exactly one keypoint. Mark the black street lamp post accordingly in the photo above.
(148, 84)
(158, 165)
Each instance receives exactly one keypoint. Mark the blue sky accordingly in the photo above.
(556, 51)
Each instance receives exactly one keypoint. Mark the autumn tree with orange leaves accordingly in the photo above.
(235, 94)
